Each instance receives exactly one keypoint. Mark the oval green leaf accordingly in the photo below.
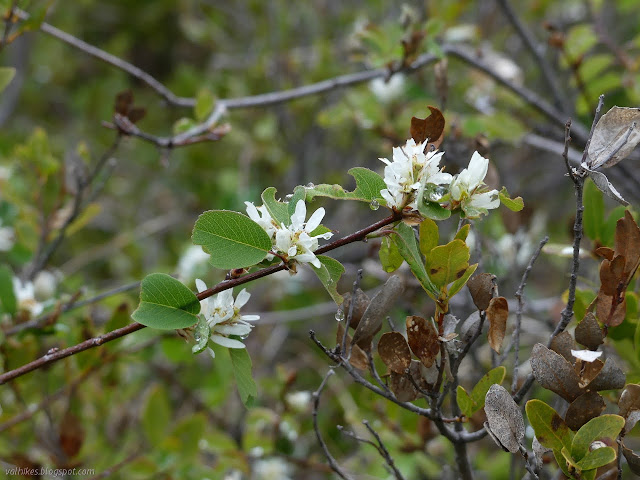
(233, 240)
(368, 186)
(549, 427)
(329, 273)
(241, 362)
(166, 304)
(604, 426)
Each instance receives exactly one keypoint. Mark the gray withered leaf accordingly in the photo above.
(614, 138)
(563, 344)
(481, 287)
(606, 187)
(470, 327)
(610, 377)
(633, 459)
(588, 332)
(629, 405)
(538, 452)
(373, 316)
(504, 418)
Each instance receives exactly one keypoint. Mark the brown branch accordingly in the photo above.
(225, 285)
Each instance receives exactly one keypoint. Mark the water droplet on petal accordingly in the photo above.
(310, 185)
(374, 205)
(340, 315)
(197, 336)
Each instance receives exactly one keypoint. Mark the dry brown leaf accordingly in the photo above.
(583, 409)
(481, 287)
(605, 252)
(611, 377)
(554, 373)
(71, 434)
(589, 333)
(633, 459)
(497, 314)
(402, 387)
(627, 243)
(612, 274)
(394, 351)
(608, 313)
(431, 128)
(358, 358)
(629, 405)
(563, 344)
(423, 340)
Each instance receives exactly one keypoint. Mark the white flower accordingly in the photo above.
(261, 216)
(25, 297)
(190, 261)
(7, 238)
(465, 188)
(299, 401)
(273, 468)
(410, 168)
(388, 90)
(44, 285)
(223, 316)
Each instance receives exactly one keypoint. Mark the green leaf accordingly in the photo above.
(562, 463)
(513, 204)
(570, 461)
(329, 274)
(447, 263)
(408, 248)
(279, 211)
(479, 392)
(593, 219)
(183, 124)
(204, 104)
(390, 257)
(6, 75)
(462, 281)
(597, 458)
(579, 40)
(433, 210)
(185, 436)
(368, 186)
(233, 240)
(156, 415)
(165, 303)
(463, 233)
(549, 427)
(429, 236)
(464, 401)
(8, 302)
(241, 362)
(604, 426)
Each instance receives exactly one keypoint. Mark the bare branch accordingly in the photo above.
(316, 404)
(536, 51)
(518, 295)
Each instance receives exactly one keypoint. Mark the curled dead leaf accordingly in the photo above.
(583, 409)
(504, 419)
(497, 314)
(481, 288)
(615, 136)
(431, 128)
(359, 306)
(555, 373)
(563, 344)
(588, 332)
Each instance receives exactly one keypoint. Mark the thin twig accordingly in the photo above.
(536, 51)
(48, 318)
(383, 451)
(316, 404)
(527, 463)
(117, 62)
(518, 295)
(46, 250)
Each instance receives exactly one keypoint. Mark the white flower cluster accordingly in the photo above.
(223, 317)
(411, 170)
(293, 241)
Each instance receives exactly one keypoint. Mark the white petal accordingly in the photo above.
(586, 355)
(252, 211)
(297, 219)
(242, 298)
(250, 318)
(237, 329)
(227, 342)
(314, 220)
(201, 286)
(486, 200)
(478, 167)
(283, 240)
